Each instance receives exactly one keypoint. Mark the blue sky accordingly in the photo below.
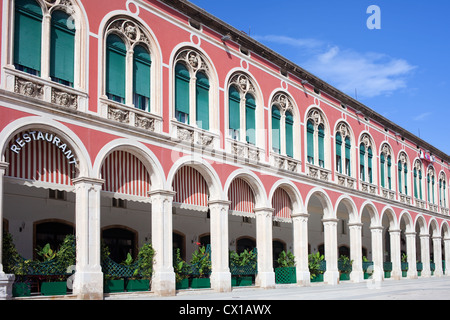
(401, 71)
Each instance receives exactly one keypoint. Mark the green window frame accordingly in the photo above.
(405, 178)
(362, 160)
(369, 164)
(310, 141)
(415, 183)
(250, 119)
(389, 164)
(62, 49)
(182, 79)
(420, 185)
(321, 145)
(141, 78)
(276, 136)
(400, 170)
(289, 127)
(348, 151)
(202, 101)
(382, 168)
(115, 68)
(234, 118)
(27, 36)
(338, 145)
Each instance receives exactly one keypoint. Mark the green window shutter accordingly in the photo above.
(141, 77)
(310, 141)
(182, 78)
(400, 177)
(234, 100)
(276, 116)
(405, 171)
(27, 36)
(369, 164)
(250, 117)
(389, 172)
(115, 67)
(321, 144)
(348, 149)
(338, 145)
(289, 134)
(62, 49)
(428, 188)
(382, 161)
(420, 185)
(415, 183)
(202, 101)
(362, 160)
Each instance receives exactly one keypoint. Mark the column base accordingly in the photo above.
(163, 284)
(6, 283)
(265, 280)
(88, 285)
(331, 277)
(357, 276)
(303, 278)
(221, 281)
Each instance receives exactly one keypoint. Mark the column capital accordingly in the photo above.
(410, 234)
(219, 202)
(94, 181)
(330, 220)
(355, 224)
(377, 228)
(4, 165)
(394, 231)
(162, 192)
(300, 215)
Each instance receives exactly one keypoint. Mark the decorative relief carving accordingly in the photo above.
(316, 116)
(144, 122)
(29, 88)
(185, 135)
(243, 83)
(118, 115)
(131, 30)
(193, 60)
(64, 99)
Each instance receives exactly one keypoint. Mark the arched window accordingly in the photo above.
(315, 136)
(141, 78)
(431, 187)
(276, 135)
(53, 233)
(418, 180)
(442, 191)
(192, 89)
(62, 49)
(282, 125)
(120, 242)
(289, 127)
(385, 167)
(27, 36)
(365, 159)
(343, 149)
(242, 117)
(115, 68)
(402, 167)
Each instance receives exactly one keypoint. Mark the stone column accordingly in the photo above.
(6, 280)
(425, 254)
(266, 275)
(163, 279)
(377, 253)
(411, 252)
(395, 254)
(88, 281)
(447, 256)
(357, 274)
(331, 275)
(220, 275)
(300, 235)
(437, 253)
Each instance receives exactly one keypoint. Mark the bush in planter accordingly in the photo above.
(345, 267)
(243, 267)
(315, 266)
(143, 273)
(285, 273)
(201, 264)
(181, 271)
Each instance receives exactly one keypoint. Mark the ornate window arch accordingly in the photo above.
(194, 89)
(48, 41)
(343, 150)
(443, 190)
(386, 166)
(316, 138)
(242, 105)
(402, 175)
(283, 120)
(431, 185)
(366, 168)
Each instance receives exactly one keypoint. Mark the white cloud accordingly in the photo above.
(369, 74)
(422, 116)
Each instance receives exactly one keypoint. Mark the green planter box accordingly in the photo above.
(241, 281)
(200, 283)
(285, 275)
(21, 289)
(317, 278)
(112, 286)
(138, 285)
(344, 276)
(387, 274)
(56, 288)
(183, 284)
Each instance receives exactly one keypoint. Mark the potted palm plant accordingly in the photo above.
(315, 262)
(242, 267)
(201, 264)
(181, 271)
(345, 267)
(143, 273)
(285, 273)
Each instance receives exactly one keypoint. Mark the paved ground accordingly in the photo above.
(406, 289)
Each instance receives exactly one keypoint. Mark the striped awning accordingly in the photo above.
(125, 174)
(40, 156)
(190, 187)
(241, 196)
(281, 203)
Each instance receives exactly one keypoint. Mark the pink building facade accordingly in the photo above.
(166, 123)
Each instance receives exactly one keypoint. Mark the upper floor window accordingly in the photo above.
(242, 109)
(366, 159)
(402, 174)
(192, 89)
(282, 125)
(442, 190)
(128, 64)
(417, 172)
(386, 167)
(431, 185)
(343, 149)
(315, 138)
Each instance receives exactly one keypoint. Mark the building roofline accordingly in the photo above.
(244, 40)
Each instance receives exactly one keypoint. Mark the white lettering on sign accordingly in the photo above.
(49, 137)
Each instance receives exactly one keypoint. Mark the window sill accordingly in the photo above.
(244, 150)
(318, 172)
(193, 135)
(345, 181)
